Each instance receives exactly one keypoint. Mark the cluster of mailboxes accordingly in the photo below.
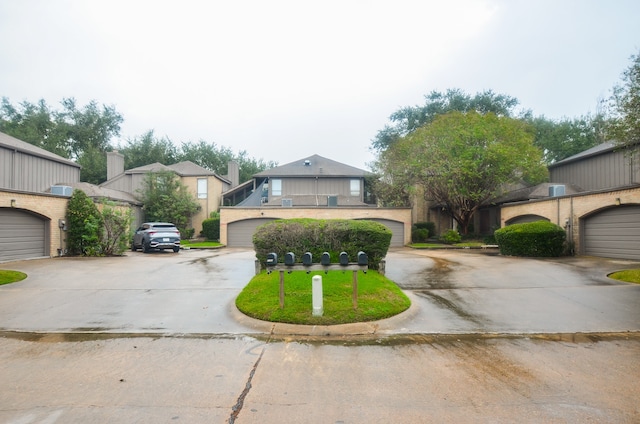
(307, 259)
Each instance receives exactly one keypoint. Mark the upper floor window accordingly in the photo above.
(276, 187)
(355, 187)
(202, 188)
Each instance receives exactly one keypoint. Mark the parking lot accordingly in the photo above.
(156, 338)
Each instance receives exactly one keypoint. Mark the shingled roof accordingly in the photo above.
(313, 166)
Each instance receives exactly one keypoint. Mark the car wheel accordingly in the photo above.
(145, 247)
(176, 249)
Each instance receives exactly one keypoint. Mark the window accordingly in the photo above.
(355, 187)
(276, 187)
(202, 188)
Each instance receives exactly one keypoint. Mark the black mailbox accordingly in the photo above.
(363, 259)
(307, 259)
(344, 259)
(325, 259)
(290, 259)
(272, 259)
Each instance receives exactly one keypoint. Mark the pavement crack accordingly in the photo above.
(240, 402)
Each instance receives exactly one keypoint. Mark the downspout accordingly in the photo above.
(572, 244)
(13, 169)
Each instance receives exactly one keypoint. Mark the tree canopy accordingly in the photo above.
(464, 160)
(625, 105)
(165, 198)
(409, 118)
(78, 133)
(86, 133)
(560, 139)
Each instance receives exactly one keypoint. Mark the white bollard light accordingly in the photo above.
(316, 295)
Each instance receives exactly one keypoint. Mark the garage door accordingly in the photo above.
(613, 233)
(397, 231)
(22, 235)
(240, 233)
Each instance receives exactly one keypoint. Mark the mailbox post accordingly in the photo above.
(325, 265)
(316, 296)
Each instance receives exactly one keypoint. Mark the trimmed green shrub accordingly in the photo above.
(211, 228)
(419, 235)
(537, 239)
(322, 235)
(429, 226)
(451, 237)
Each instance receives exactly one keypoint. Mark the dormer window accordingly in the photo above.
(307, 162)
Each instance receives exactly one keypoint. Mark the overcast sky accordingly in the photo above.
(287, 79)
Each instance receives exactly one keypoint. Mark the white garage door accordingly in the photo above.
(613, 233)
(240, 233)
(397, 231)
(22, 235)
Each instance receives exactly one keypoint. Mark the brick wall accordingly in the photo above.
(567, 211)
(48, 206)
(233, 214)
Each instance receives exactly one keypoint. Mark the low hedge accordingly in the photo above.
(322, 235)
(211, 228)
(538, 239)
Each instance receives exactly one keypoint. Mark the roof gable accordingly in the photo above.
(313, 166)
(594, 151)
(188, 168)
(153, 167)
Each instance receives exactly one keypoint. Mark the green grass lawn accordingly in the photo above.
(200, 244)
(378, 298)
(7, 276)
(628, 275)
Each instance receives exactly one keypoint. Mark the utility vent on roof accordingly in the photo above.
(61, 190)
(556, 190)
(307, 162)
(287, 202)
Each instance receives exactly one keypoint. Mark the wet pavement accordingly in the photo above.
(156, 339)
(452, 292)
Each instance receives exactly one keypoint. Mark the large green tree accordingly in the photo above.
(148, 149)
(464, 160)
(165, 198)
(560, 139)
(82, 134)
(409, 118)
(625, 105)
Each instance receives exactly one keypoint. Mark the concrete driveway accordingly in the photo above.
(156, 339)
(453, 292)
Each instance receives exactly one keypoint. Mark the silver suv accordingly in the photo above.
(156, 235)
